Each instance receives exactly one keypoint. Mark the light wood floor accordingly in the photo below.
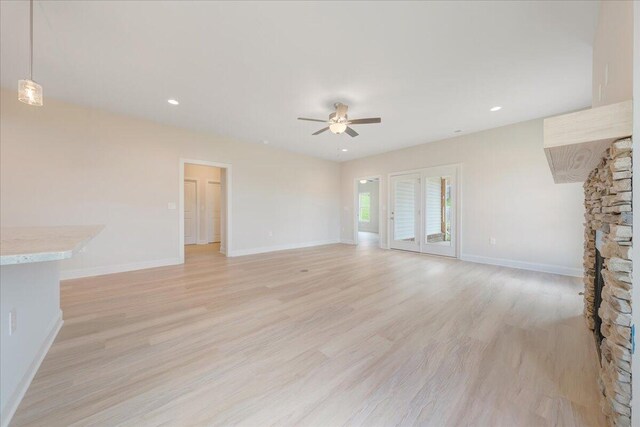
(366, 238)
(329, 336)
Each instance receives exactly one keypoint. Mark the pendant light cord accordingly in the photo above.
(31, 40)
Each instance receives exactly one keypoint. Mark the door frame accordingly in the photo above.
(356, 208)
(226, 249)
(195, 181)
(458, 225)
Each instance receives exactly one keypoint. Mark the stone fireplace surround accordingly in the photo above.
(608, 209)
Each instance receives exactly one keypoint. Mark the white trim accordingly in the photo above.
(419, 170)
(119, 268)
(226, 246)
(12, 403)
(347, 242)
(265, 249)
(356, 210)
(524, 265)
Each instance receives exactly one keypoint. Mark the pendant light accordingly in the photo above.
(29, 91)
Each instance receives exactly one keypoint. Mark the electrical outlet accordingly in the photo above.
(171, 206)
(13, 321)
(270, 233)
(493, 241)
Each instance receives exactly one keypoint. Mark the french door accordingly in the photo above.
(440, 201)
(424, 211)
(405, 212)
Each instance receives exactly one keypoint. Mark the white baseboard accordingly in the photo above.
(523, 265)
(120, 268)
(347, 242)
(253, 251)
(12, 404)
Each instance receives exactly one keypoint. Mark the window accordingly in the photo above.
(365, 207)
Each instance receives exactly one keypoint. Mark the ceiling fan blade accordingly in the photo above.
(341, 110)
(320, 131)
(365, 121)
(349, 131)
(312, 120)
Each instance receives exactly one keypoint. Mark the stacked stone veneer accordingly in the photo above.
(608, 203)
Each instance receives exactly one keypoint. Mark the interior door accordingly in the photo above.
(405, 212)
(440, 208)
(190, 212)
(213, 212)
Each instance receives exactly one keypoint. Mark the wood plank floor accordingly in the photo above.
(327, 336)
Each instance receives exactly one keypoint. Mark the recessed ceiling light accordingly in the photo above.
(344, 150)
(173, 102)
(496, 108)
(264, 141)
(363, 181)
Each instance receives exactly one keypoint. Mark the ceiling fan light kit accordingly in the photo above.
(339, 122)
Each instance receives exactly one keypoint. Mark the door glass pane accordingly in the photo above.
(438, 210)
(404, 224)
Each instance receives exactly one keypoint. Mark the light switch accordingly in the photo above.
(171, 206)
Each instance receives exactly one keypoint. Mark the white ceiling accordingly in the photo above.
(248, 69)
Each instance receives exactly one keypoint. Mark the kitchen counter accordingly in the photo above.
(22, 245)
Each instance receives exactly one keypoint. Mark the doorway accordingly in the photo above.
(205, 199)
(367, 213)
(424, 211)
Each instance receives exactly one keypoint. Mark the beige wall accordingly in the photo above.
(613, 53)
(66, 164)
(507, 192)
(202, 174)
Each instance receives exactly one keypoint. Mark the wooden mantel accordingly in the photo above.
(574, 143)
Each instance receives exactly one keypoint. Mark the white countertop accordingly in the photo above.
(22, 245)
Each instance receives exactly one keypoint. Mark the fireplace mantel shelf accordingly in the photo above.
(574, 143)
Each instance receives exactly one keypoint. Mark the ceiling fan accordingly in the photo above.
(339, 122)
